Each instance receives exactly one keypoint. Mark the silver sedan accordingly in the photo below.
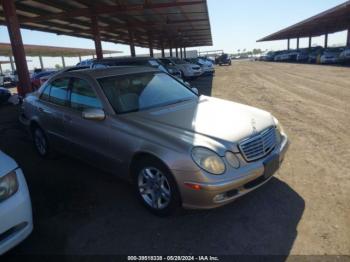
(178, 149)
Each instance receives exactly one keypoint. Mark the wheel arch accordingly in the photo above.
(142, 155)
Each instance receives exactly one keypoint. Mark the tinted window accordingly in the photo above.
(58, 93)
(45, 95)
(83, 96)
(139, 92)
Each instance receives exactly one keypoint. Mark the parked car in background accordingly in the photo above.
(16, 221)
(188, 70)
(315, 55)
(224, 59)
(344, 56)
(177, 148)
(86, 62)
(4, 95)
(172, 69)
(269, 56)
(206, 65)
(303, 55)
(36, 78)
(8, 81)
(286, 56)
(136, 61)
(330, 56)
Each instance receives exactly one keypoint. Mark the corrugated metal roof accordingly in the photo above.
(171, 22)
(333, 20)
(42, 50)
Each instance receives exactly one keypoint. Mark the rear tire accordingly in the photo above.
(156, 187)
(41, 142)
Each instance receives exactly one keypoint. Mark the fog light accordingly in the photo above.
(219, 197)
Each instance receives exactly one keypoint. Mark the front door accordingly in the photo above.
(88, 139)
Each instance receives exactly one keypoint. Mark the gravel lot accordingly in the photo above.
(305, 209)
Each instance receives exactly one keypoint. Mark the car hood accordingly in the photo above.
(207, 119)
(7, 164)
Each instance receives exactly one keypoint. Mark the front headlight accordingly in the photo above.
(208, 160)
(8, 185)
(232, 159)
(278, 126)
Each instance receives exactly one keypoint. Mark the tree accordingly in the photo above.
(57, 66)
(257, 51)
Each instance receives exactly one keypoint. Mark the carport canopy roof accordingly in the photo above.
(52, 51)
(333, 20)
(167, 23)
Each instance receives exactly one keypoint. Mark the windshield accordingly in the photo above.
(137, 92)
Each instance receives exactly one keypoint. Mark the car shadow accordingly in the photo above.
(78, 209)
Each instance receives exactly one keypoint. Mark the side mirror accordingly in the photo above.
(194, 89)
(94, 114)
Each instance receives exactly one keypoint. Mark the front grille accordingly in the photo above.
(258, 146)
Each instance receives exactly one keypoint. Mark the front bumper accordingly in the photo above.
(206, 198)
(16, 221)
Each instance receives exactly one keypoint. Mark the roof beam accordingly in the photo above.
(108, 9)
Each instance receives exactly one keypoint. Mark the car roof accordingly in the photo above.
(122, 59)
(112, 71)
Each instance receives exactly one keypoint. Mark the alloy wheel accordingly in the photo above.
(154, 188)
(40, 142)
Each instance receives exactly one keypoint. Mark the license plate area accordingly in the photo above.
(271, 165)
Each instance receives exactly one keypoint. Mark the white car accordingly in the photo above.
(207, 66)
(187, 70)
(16, 221)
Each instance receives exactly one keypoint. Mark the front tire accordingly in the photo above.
(155, 187)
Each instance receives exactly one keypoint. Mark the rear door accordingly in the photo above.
(51, 107)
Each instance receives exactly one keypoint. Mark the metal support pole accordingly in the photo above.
(132, 45)
(185, 53)
(1, 69)
(9, 10)
(181, 54)
(97, 37)
(12, 63)
(41, 62)
(163, 51)
(288, 44)
(177, 52)
(298, 43)
(150, 40)
(310, 41)
(171, 52)
(79, 58)
(348, 39)
(63, 62)
(326, 40)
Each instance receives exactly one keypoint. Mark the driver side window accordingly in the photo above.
(83, 96)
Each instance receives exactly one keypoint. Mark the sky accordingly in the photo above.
(235, 25)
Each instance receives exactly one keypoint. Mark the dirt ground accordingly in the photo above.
(304, 210)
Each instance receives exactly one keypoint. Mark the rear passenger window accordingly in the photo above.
(59, 90)
(83, 96)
